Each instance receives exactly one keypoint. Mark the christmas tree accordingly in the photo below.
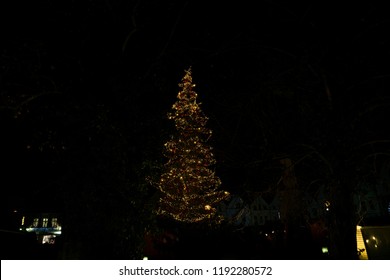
(189, 188)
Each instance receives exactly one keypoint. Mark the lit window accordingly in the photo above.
(54, 222)
(48, 239)
(35, 222)
(44, 222)
(23, 218)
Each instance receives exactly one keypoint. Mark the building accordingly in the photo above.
(372, 205)
(46, 226)
(257, 213)
(369, 204)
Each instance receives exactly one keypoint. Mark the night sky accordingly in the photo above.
(85, 87)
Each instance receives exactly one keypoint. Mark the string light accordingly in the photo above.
(188, 188)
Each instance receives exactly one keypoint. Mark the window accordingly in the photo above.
(44, 222)
(35, 222)
(54, 222)
(48, 239)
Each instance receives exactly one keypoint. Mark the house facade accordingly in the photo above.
(46, 226)
(371, 202)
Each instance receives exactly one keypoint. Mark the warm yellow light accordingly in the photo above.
(188, 183)
(324, 250)
(373, 238)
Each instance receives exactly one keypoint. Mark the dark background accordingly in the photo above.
(85, 87)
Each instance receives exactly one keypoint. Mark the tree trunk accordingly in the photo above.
(292, 213)
(342, 219)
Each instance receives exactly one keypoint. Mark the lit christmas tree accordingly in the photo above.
(189, 188)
